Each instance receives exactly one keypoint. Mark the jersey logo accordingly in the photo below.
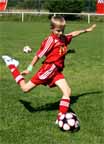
(62, 50)
(56, 41)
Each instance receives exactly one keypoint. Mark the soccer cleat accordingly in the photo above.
(58, 118)
(56, 122)
(10, 61)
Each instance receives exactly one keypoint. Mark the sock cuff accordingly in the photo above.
(19, 78)
(65, 104)
(65, 99)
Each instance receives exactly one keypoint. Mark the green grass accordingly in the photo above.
(29, 118)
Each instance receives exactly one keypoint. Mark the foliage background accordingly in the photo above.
(54, 5)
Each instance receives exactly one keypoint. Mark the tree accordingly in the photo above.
(69, 6)
(12, 3)
(26, 4)
(90, 5)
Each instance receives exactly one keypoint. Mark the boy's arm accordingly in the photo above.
(45, 47)
(34, 61)
(76, 33)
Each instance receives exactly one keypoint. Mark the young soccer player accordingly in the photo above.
(54, 48)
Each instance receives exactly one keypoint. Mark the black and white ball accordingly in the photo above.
(27, 49)
(69, 122)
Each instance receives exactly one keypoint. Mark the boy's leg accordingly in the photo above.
(26, 86)
(65, 100)
(12, 65)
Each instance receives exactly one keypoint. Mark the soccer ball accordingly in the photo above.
(27, 49)
(69, 122)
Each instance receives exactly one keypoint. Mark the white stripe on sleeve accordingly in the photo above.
(46, 47)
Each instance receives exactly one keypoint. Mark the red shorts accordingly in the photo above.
(48, 74)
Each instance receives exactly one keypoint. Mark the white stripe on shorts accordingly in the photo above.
(47, 73)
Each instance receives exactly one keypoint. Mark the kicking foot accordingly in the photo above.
(56, 122)
(58, 118)
(10, 61)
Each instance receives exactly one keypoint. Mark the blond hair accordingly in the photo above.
(57, 21)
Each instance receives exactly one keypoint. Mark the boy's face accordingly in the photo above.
(58, 31)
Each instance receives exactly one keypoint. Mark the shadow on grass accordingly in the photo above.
(55, 105)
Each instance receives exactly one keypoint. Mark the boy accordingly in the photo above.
(54, 48)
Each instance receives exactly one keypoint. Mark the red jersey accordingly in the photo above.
(54, 49)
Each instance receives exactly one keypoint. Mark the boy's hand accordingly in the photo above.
(91, 28)
(25, 72)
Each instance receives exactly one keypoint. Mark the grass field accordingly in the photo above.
(29, 118)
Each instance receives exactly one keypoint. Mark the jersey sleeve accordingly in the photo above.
(69, 38)
(46, 46)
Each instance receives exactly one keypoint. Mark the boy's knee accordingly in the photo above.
(25, 89)
(69, 91)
